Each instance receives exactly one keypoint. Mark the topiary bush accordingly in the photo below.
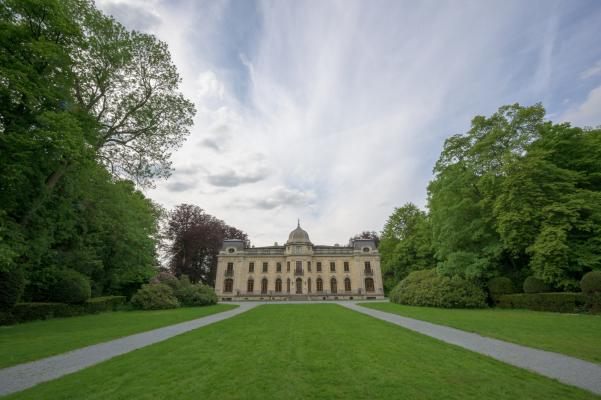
(428, 288)
(555, 302)
(498, 286)
(167, 279)
(591, 282)
(12, 283)
(535, 285)
(71, 287)
(155, 296)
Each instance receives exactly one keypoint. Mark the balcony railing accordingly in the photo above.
(298, 272)
(368, 272)
(229, 273)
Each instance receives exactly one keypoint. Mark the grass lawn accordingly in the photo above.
(320, 351)
(39, 339)
(574, 335)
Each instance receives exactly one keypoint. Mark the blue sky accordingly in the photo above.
(335, 111)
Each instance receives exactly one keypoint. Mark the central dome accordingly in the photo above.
(299, 235)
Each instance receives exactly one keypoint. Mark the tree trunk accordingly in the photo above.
(49, 185)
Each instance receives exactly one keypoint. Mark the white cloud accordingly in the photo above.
(592, 71)
(335, 112)
(586, 114)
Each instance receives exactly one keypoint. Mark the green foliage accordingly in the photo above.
(154, 297)
(499, 285)
(535, 285)
(12, 283)
(556, 302)
(72, 130)
(591, 282)
(517, 195)
(405, 244)
(25, 312)
(196, 295)
(428, 288)
(71, 287)
(170, 280)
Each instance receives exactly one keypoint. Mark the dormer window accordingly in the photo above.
(366, 249)
(231, 250)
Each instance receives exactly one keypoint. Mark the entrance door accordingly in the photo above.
(299, 286)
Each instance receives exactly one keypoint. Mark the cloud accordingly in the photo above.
(177, 186)
(137, 17)
(231, 178)
(592, 71)
(339, 123)
(588, 113)
(278, 197)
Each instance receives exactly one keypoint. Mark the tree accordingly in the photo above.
(195, 239)
(372, 235)
(518, 195)
(406, 244)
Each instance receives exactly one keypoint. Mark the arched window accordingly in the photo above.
(369, 285)
(228, 285)
(309, 285)
(299, 286)
(250, 285)
(347, 285)
(288, 285)
(278, 285)
(333, 286)
(319, 285)
(264, 285)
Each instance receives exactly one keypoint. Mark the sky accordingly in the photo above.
(335, 112)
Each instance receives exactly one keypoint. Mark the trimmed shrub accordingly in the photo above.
(167, 279)
(71, 288)
(556, 302)
(12, 283)
(428, 288)
(591, 282)
(102, 304)
(535, 285)
(156, 296)
(498, 286)
(196, 295)
(25, 312)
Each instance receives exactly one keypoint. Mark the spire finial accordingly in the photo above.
(299, 222)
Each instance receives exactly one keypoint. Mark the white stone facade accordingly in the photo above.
(299, 270)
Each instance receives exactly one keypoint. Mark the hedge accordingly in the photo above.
(556, 302)
(24, 312)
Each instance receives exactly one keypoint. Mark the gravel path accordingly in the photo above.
(23, 376)
(569, 370)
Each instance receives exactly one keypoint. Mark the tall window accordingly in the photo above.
(288, 285)
(299, 286)
(264, 285)
(309, 285)
(309, 266)
(333, 286)
(347, 285)
(318, 266)
(319, 285)
(228, 285)
(250, 286)
(332, 266)
(230, 268)
(251, 267)
(278, 267)
(346, 266)
(264, 267)
(288, 266)
(367, 266)
(278, 285)
(369, 285)
(299, 267)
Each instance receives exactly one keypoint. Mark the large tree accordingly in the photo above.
(406, 244)
(518, 195)
(194, 241)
